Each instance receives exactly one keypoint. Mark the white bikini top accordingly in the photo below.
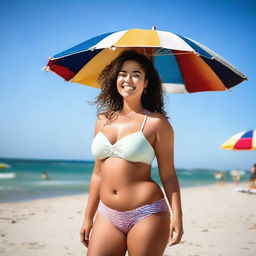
(133, 147)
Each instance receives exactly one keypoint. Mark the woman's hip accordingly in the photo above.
(125, 220)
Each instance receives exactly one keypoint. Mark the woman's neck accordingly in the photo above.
(132, 107)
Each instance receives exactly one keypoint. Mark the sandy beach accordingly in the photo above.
(218, 221)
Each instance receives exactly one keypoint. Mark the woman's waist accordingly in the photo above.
(123, 172)
(130, 196)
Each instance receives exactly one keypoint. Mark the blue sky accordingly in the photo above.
(42, 116)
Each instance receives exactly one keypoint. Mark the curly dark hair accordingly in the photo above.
(109, 100)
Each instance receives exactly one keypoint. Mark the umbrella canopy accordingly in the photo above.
(237, 173)
(184, 65)
(3, 165)
(242, 141)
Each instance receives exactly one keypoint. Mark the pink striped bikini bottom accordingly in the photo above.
(125, 220)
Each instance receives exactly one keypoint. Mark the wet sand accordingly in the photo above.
(218, 221)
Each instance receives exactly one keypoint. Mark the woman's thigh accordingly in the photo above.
(106, 239)
(149, 237)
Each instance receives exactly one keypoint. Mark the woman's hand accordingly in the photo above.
(85, 232)
(176, 230)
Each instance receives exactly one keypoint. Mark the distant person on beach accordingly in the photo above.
(236, 176)
(131, 129)
(220, 177)
(45, 175)
(252, 179)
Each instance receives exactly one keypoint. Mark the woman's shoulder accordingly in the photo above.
(160, 121)
(101, 119)
(157, 115)
(158, 118)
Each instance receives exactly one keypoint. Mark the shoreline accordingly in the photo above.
(73, 193)
(217, 221)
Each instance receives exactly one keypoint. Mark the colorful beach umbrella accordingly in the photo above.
(3, 165)
(184, 65)
(242, 141)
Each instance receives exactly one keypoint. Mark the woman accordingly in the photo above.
(252, 177)
(132, 212)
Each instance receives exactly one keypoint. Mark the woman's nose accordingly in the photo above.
(128, 77)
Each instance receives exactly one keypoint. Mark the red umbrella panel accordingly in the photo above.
(242, 141)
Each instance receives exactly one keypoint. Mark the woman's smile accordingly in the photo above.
(128, 88)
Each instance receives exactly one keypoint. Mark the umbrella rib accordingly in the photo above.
(226, 64)
(70, 54)
(155, 54)
(181, 53)
(157, 51)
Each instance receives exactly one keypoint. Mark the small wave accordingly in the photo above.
(58, 182)
(186, 173)
(8, 175)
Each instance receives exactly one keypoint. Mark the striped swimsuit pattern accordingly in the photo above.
(125, 220)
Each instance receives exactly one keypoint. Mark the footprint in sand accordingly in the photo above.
(35, 245)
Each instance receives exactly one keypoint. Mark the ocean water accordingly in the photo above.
(23, 179)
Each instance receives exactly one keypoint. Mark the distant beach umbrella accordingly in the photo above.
(184, 65)
(3, 165)
(242, 141)
(237, 172)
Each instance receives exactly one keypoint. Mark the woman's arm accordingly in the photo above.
(164, 148)
(94, 192)
(93, 198)
(92, 204)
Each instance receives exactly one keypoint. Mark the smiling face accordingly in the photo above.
(131, 79)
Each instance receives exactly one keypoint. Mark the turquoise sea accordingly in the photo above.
(23, 179)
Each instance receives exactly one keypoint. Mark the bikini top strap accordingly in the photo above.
(104, 124)
(146, 112)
